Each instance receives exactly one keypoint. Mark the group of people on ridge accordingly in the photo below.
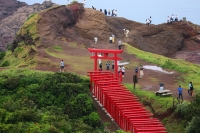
(172, 18)
(148, 21)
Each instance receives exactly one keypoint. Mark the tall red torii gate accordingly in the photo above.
(105, 53)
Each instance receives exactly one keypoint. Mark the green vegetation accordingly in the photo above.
(176, 117)
(57, 48)
(74, 61)
(189, 71)
(20, 57)
(30, 29)
(34, 101)
(2, 54)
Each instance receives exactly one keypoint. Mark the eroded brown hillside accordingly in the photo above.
(75, 24)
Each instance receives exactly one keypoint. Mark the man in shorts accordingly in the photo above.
(62, 65)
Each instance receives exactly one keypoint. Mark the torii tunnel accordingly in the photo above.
(120, 104)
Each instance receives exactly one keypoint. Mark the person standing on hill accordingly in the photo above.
(62, 65)
(105, 12)
(115, 13)
(108, 65)
(108, 12)
(136, 71)
(113, 38)
(110, 39)
(123, 71)
(150, 20)
(191, 88)
(147, 21)
(120, 44)
(100, 66)
(141, 71)
(168, 19)
(180, 95)
(113, 64)
(95, 40)
(127, 31)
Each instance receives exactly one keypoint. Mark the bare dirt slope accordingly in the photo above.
(73, 23)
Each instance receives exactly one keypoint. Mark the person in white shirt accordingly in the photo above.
(120, 44)
(127, 31)
(115, 13)
(110, 39)
(172, 17)
(123, 71)
(95, 40)
(113, 64)
(150, 20)
(62, 65)
(168, 19)
(113, 38)
(147, 21)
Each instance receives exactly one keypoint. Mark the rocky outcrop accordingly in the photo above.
(8, 7)
(11, 24)
(164, 39)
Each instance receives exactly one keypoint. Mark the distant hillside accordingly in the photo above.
(8, 7)
(75, 24)
(72, 29)
(13, 22)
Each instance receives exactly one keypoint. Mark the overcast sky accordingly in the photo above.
(140, 10)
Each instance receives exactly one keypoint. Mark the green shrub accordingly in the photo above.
(5, 64)
(182, 110)
(93, 119)
(33, 101)
(193, 126)
(2, 54)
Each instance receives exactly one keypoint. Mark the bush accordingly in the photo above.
(45, 102)
(2, 54)
(5, 64)
(182, 110)
(193, 126)
(93, 119)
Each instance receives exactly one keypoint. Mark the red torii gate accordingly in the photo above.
(105, 53)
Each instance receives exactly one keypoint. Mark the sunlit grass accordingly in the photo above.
(76, 63)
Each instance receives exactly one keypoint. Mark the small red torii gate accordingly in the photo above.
(105, 53)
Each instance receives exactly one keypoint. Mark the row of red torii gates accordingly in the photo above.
(118, 101)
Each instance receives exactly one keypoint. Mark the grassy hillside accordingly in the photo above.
(189, 71)
(177, 118)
